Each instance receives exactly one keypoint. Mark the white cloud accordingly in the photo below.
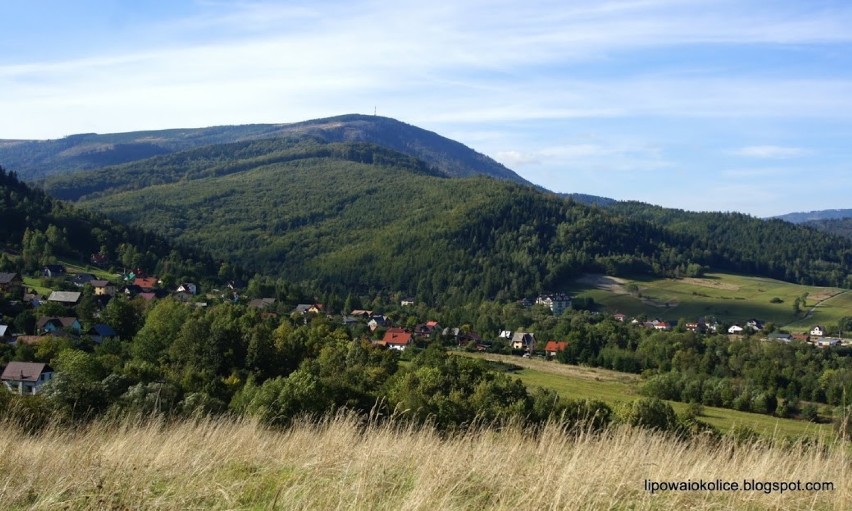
(770, 152)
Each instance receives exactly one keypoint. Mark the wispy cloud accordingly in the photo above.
(770, 152)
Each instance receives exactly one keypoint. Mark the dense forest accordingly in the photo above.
(361, 218)
(837, 226)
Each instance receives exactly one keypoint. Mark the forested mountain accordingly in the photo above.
(836, 226)
(826, 214)
(32, 159)
(745, 244)
(41, 229)
(357, 217)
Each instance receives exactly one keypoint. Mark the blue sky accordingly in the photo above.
(701, 105)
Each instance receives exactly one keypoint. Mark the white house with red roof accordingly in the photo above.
(397, 339)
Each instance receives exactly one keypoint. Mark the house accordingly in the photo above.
(801, 337)
(9, 281)
(427, 328)
(147, 284)
(780, 337)
(362, 313)
(818, 331)
(661, 325)
(505, 334)
(187, 287)
(523, 341)
(236, 284)
(261, 303)
(406, 302)
(557, 303)
(376, 321)
(53, 271)
(302, 308)
(397, 339)
(735, 329)
(827, 342)
(619, 317)
(3, 329)
(692, 327)
(103, 288)
(100, 259)
(81, 279)
(754, 324)
(554, 347)
(64, 297)
(102, 332)
(316, 308)
(350, 320)
(48, 325)
(26, 378)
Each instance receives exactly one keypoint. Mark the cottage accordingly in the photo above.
(53, 271)
(147, 284)
(48, 325)
(9, 281)
(81, 279)
(818, 331)
(102, 332)
(619, 317)
(187, 287)
(754, 324)
(26, 378)
(406, 302)
(554, 347)
(523, 341)
(362, 313)
(827, 342)
(397, 339)
(735, 329)
(102, 288)
(64, 297)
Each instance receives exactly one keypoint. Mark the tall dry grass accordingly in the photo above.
(341, 463)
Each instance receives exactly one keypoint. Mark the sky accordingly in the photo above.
(704, 105)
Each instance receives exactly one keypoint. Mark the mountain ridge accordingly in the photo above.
(39, 159)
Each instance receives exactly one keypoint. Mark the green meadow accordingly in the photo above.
(576, 382)
(730, 298)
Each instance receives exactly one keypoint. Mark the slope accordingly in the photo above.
(357, 217)
(33, 159)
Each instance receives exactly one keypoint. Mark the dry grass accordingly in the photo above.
(342, 464)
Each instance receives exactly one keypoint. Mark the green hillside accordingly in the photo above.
(37, 159)
(353, 216)
(729, 298)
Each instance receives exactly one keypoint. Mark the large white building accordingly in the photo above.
(557, 303)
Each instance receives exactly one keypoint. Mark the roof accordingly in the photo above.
(64, 296)
(54, 268)
(99, 283)
(147, 282)
(555, 346)
(6, 278)
(3, 330)
(261, 303)
(431, 324)
(522, 337)
(65, 322)
(104, 330)
(397, 336)
(25, 371)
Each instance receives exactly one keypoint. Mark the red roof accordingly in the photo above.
(148, 282)
(397, 336)
(555, 346)
(431, 324)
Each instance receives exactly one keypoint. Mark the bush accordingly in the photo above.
(650, 413)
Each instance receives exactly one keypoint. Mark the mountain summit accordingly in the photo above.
(37, 159)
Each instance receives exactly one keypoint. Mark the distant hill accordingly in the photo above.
(589, 200)
(33, 159)
(354, 216)
(826, 214)
(836, 226)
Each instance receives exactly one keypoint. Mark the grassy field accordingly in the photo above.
(613, 387)
(732, 298)
(344, 463)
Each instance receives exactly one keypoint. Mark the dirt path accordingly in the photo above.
(811, 311)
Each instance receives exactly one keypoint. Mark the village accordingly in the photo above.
(75, 315)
